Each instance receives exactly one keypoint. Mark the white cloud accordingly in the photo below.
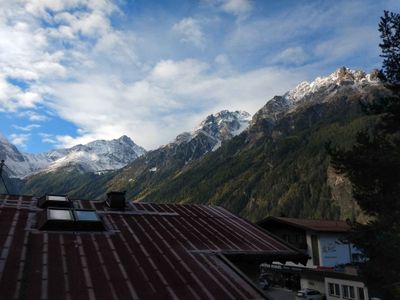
(13, 98)
(191, 31)
(32, 116)
(238, 8)
(27, 128)
(173, 97)
(40, 8)
(138, 81)
(20, 139)
(48, 138)
(40, 55)
(292, 56)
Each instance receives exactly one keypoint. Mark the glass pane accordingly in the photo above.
(352, 292)
(361, 293)
(60, 214)
(345, 291)
(337, 290)
(86, 215)
(56, 198)
(331, 289)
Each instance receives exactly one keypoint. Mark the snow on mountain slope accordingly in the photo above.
(341, 77)
(100, 155)
(217, 128)
(95, 156)
(319, 90)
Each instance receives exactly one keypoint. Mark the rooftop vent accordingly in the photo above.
(116, 200)
(64, 219)
(54, 201)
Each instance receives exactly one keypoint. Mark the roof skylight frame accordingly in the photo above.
(77, 211)
(54, 200)
(70, 219)
(51, 216)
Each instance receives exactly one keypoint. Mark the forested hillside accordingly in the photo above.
(279, 166)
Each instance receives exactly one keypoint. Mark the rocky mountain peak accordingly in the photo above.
(92, 157)
(100, 155)
(125, 139)
(224, 124)
(319, 90)
(217, 127)
(209, 134)
(341, 77)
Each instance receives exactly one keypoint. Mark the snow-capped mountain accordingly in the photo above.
(207, 136)
(189, 147)
(99, 155)
(279, 165)
(318, 91)
(95, 156)
(17, 164)
(217, 128)
(357, 79)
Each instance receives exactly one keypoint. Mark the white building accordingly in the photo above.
(331, 256)
(323, 240)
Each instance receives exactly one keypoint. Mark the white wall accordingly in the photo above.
(306, 283)
(341, 282)
(332, 251)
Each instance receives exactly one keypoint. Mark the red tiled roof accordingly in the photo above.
(315, 225)
(158, 251)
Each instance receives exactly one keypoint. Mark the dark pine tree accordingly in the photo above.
(373, 167)
(389, 27)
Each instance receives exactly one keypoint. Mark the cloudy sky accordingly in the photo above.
(72, 71)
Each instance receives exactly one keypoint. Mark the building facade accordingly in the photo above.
(331, 257)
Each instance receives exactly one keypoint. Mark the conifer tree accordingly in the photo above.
(373, 167)
(389, 27)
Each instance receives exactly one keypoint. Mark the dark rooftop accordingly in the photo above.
(158, 251)
(314, 225)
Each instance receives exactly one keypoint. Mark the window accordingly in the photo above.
(337, 290)
(315, 250)
(62, 219)
(361, 294)
(86, 215)
(334, 289)
(352, 294)
(59, 214)
(56, 198)
(53, 201)
(348, 292)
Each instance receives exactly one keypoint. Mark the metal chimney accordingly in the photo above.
(116, 200)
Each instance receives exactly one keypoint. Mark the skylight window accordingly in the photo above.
(59, 214)
(69, 219)
(86, 215)
(54, 201)
(57, 198)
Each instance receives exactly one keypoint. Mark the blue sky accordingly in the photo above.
(72, 71)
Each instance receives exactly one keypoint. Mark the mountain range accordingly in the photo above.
(274, 163)
(77, 168)
(96, 156)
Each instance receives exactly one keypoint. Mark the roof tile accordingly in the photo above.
(150, 251)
